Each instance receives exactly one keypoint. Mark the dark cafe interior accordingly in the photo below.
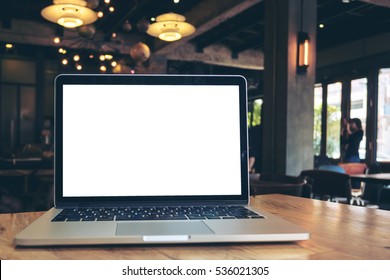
(318, 75)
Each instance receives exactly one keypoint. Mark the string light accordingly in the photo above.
(76, 57)
(57, 40)
(100, 14)
(64, 61)
(103, 68)
(9, 46)
(79, 67)
(111, 9)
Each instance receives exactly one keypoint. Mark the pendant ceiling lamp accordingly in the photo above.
(69, 13)
(170, 27)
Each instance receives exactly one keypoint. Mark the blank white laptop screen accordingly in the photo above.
(151, 140)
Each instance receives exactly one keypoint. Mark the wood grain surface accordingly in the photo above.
(337, 232)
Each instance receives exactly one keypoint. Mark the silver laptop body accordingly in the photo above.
(160, 142)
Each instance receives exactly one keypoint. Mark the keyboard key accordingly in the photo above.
(155, 213)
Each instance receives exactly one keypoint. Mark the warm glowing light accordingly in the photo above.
(69, 13)
(103, 68)
(114, 64)
(61, 50)
(113, 35)
(102, 57)
(64, 61)
(170, 27)
(322, 25)
(57, 40)
(132, 71)
(76, 57)
(91, 56)
(153, 19)
(108, 56)
(79, 67)
(306, 52)
(9, 46)
(303, 52)
(111, 9)
(176, 1)
(107, 1)
(100, 14)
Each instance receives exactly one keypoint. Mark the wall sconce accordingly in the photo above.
(303, 53)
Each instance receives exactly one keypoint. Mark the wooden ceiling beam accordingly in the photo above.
(34, 33)
(205, 16)
(383, 3)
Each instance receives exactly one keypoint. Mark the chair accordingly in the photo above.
(356, 168)
(384, 199)
(43, 198)
(329, 184)
(335, 168)
(282, 184)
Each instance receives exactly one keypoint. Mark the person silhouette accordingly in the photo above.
(352, 134)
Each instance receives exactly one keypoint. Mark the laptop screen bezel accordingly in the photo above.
(107, 79)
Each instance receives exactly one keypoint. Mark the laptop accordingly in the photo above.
(152, 159)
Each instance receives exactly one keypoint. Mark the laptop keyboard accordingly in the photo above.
(155, 213)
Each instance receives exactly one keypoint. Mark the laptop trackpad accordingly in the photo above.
(162, 228)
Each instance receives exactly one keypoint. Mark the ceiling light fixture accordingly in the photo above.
(170, 27)
(69, 13)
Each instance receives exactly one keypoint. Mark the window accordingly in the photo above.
(254, 113)
(333, 120)
(359, 108)
(383, 129)
(317, 119)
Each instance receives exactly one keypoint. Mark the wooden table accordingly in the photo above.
(381, 179)
(338, 232)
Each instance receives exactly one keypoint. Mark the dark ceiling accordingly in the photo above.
(343, 22)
